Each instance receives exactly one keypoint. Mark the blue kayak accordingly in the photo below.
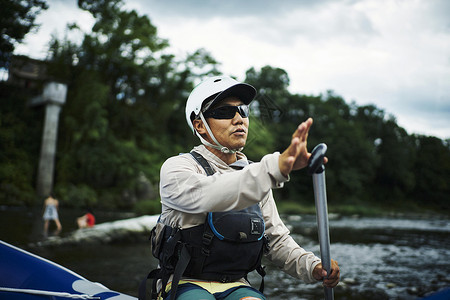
(25, 276)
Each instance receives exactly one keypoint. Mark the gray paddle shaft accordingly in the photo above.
(317, 170)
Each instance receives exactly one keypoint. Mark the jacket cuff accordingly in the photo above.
(274, 170)
(313, 266)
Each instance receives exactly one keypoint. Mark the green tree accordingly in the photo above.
(432, 169)
(125, 106)
(17, 18)
(351, 168)
(20, 132)
(395, 176)
(272, 94)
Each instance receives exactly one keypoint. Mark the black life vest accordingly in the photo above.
(227, 247)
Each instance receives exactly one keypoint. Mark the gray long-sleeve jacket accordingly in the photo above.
(188, 194)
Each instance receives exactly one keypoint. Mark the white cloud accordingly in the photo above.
(394, 54)
(53, 23)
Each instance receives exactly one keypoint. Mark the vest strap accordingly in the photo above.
(155, 275)
(182, 263)
(262, 272)
(203, 162)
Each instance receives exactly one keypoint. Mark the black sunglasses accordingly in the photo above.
(227, 112)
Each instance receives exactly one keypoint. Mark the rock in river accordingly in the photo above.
(122, 230)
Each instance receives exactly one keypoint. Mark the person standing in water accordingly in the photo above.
(51, 213)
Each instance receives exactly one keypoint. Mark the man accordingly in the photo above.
(197, 197)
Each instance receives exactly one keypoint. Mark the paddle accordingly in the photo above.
(317, 170)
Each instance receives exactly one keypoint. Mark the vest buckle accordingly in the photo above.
(205, 251)
(207, 238)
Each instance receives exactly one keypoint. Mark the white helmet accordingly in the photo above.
(213, 90)
(222, 87)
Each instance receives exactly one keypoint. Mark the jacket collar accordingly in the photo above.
(212, 158)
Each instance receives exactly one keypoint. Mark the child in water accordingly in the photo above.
(51, 214)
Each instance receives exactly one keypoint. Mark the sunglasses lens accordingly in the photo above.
(228, 112)
(243, 110)
(225, 112)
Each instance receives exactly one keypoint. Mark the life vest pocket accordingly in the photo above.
(244, 226)
(156, 239)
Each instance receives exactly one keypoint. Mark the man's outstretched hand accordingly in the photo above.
(296, 156)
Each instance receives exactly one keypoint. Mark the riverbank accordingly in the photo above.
(122, 231)
(368, 210)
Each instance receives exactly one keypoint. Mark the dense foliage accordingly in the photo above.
(124, 115)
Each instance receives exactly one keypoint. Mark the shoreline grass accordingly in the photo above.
(368, 210)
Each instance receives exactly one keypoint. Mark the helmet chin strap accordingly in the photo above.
(218, 146)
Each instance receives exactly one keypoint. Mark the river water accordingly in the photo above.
(379, 258)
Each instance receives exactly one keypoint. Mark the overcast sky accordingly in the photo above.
(394, 54)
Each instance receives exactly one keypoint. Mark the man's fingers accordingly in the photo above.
(302, 128)
(333, 278)
(294, 145)
(308, 124)
(296, 155)
(334, 274)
